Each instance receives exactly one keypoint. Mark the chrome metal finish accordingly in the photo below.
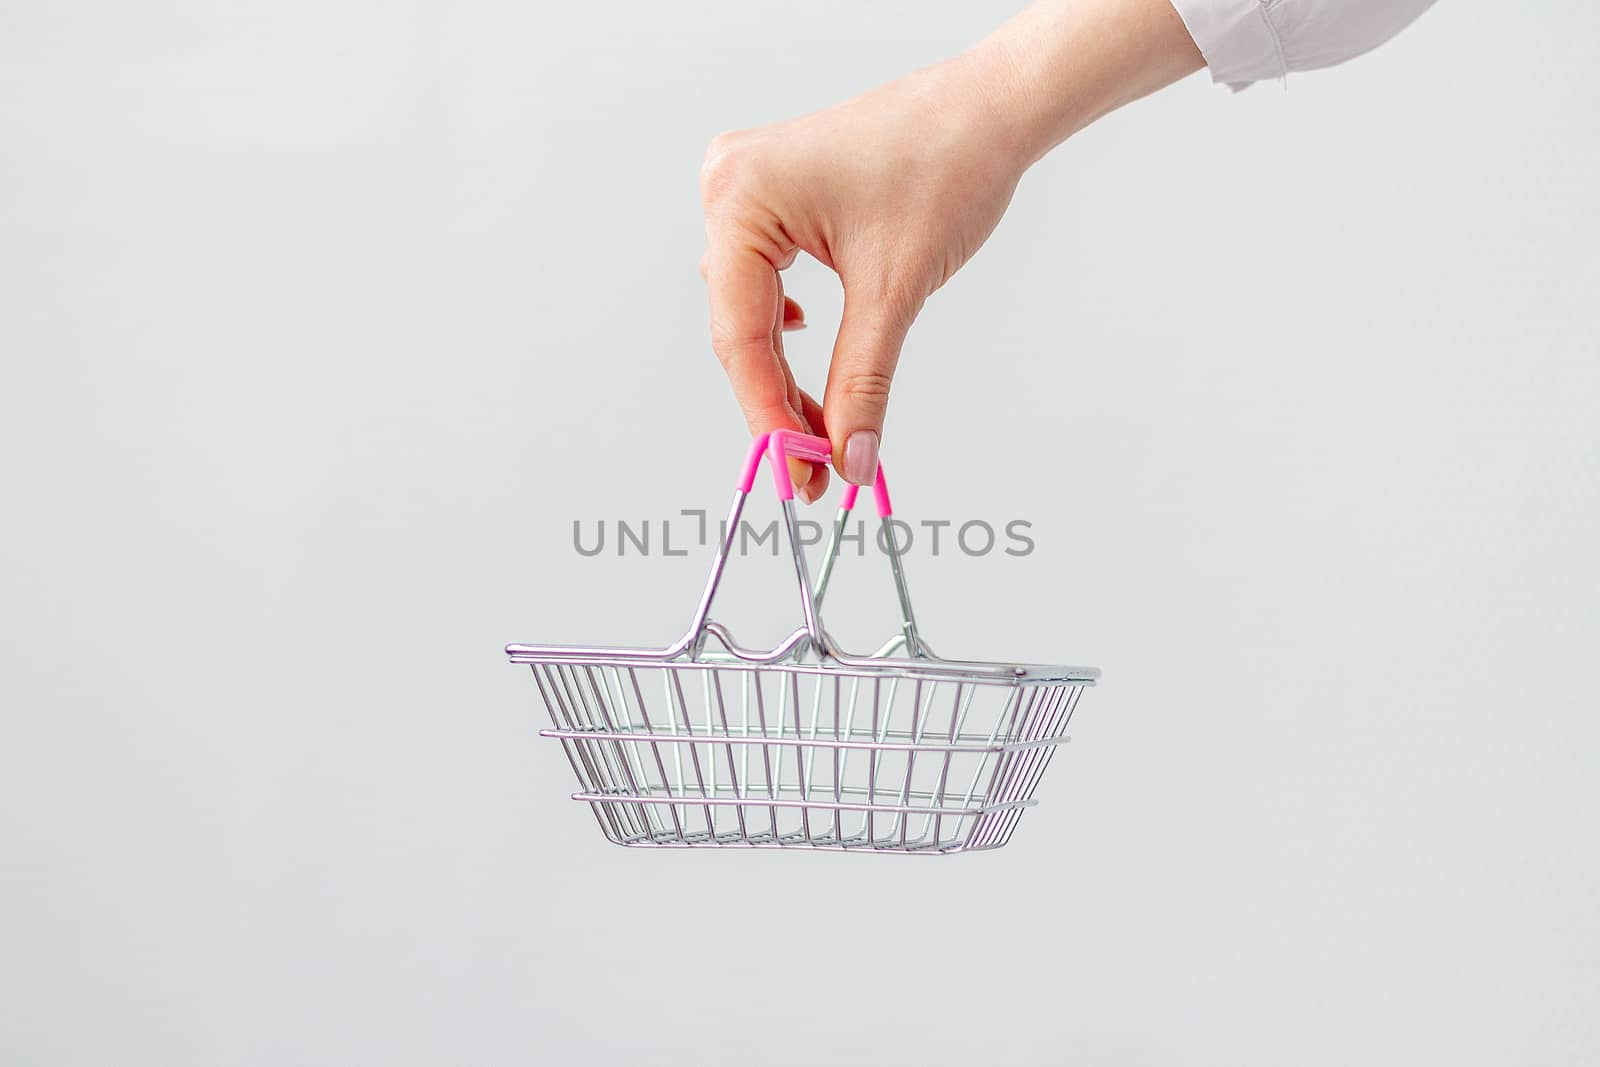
(908, 622)
(830, 555)
(803, 746)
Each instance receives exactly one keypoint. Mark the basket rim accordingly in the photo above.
(973, 671)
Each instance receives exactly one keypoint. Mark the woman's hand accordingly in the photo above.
(895, 190)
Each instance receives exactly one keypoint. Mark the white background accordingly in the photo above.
(320, 324)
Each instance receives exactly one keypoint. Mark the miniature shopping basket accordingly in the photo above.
(804, 746)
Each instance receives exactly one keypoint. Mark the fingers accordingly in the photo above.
(812, 412)
(801, 473)
(746, 302)
(794, 316)
(748, 316)
(864, 357)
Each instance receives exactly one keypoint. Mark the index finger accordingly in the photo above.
(746, 301)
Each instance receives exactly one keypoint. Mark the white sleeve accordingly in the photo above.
(1244, 41)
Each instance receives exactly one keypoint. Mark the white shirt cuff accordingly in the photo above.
(1237, 39)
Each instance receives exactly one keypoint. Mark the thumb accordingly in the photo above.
(864, 356)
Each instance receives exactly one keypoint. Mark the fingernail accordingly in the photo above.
(794, 326)
(808, 492)
(800, 476)
(861, 457)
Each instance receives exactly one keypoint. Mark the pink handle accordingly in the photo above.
(780, 444)
(752, 461)
(783, 443)
(880, 495)
(776, 446)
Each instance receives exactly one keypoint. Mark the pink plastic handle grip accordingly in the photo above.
(880, 495)
(784, 443)
(752, 462)
(779, 444)
(776, 446)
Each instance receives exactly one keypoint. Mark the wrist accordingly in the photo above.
(985, 94)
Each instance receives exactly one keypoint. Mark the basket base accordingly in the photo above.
(798, 842)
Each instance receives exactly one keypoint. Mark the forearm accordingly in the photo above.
(1061, 64)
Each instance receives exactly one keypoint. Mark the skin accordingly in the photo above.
(894, 191)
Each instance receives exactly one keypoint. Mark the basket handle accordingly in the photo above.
(779, 445)
(880, 495)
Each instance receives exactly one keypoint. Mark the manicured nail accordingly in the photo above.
(794, 326)
(808, 492)
(861, 457)
(800, 477)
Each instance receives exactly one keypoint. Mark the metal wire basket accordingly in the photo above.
(804, 746)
